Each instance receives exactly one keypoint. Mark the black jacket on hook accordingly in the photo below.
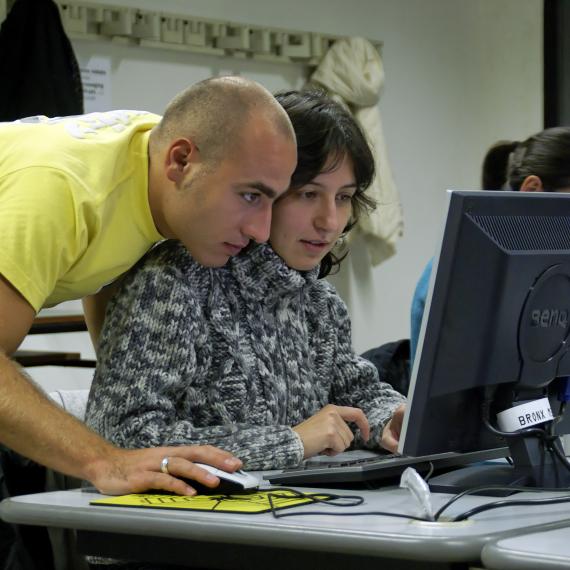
(38, 70)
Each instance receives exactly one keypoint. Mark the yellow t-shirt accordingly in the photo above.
(74, 210)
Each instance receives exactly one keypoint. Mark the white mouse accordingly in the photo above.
(230, 483)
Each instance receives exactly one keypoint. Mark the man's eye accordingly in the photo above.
(309, 194)
(250, 197)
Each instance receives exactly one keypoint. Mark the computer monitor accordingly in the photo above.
(495, 332)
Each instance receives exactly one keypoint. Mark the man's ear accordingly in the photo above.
(179, 159)
(532, 183)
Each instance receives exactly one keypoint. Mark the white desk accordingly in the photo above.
(548, 548)
(255, 541)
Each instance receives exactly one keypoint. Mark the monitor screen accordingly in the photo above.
(496, 323)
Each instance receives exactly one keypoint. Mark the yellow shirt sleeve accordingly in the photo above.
(40, 234)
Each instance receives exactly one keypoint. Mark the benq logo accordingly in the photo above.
(548, 318)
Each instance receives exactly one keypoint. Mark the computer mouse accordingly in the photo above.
(230, 483)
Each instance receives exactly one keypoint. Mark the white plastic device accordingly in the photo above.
(231, 482)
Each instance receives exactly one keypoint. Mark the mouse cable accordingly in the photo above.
(333, 501)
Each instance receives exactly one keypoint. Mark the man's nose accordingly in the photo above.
(258, 225)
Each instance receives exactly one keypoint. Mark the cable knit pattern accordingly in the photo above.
(231, 357)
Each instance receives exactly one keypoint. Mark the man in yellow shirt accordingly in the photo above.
(82, 199)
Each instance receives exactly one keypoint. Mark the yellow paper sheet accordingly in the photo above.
(252, 503)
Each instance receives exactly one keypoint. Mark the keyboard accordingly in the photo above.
(378, 467)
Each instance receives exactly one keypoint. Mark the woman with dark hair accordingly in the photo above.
(256, 356)
(326, 134)
(538, 164)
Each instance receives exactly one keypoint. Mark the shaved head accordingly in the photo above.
(214, 114)
(223, 152)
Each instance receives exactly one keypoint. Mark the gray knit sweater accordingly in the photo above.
(232, 357)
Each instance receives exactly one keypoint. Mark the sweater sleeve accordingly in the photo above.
(355, 380)
(154, 354)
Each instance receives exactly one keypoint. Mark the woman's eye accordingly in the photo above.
(344, 197)
(309, 194)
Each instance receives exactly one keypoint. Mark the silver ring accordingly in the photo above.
(164, 466)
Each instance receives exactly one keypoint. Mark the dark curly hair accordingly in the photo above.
(326, 134)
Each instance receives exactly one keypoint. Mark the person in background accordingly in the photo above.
(538, 164)
(254, 357)
(82, 198)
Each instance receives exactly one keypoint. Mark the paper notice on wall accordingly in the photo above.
(96, 80)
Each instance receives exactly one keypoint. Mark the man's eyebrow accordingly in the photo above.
(263, 188)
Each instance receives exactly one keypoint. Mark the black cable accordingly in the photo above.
(481, 489)
(333, 501)
(430, 472)
(358, 514)
(510, 503)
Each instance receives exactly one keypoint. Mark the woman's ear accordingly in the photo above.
(532, 183)
(179, 158)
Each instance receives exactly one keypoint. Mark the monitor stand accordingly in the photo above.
(533, 466)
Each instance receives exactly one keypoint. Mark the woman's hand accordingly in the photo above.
(327, 431)
(391, 431)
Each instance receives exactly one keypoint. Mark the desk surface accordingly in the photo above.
(368, 535)
(548, 548)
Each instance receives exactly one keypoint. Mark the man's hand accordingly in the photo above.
(327, 431)
(391, 431)
(138, 470)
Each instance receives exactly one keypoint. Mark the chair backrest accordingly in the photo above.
(72, 401)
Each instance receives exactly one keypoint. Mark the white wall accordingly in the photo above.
(460, 74)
